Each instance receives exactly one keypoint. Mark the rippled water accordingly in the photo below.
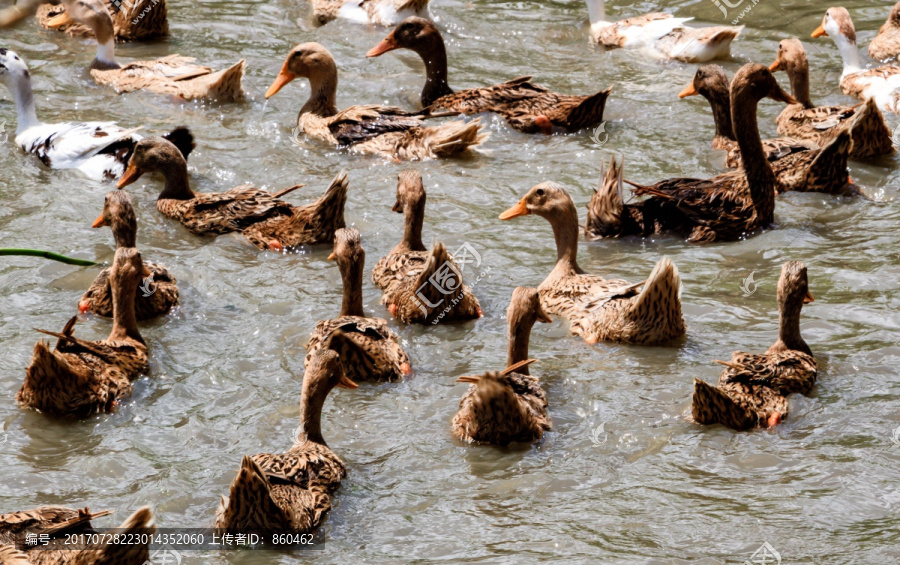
(647, 486)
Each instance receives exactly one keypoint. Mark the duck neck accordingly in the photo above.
(310, 418)
(721, 109)
(124, 233)
(789, 331)
(323, 93)
(849, 53)
(798, 73)
(177, 185)
(106, 56)
(565, 232)
(124, 318)
(352, 276)
(413, 218)
(518, 334)
(760, 177)
(434, 55)
(26, 116)
(596, 11)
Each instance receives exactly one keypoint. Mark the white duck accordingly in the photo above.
(881, 83)
(377, 12)
(665, 34)
(98, 149)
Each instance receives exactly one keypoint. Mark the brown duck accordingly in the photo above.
(753, 389)
(508, 406)
(420, 286)
(380, 130)
(156, 295)
(262, 217)
(58, 522)
(886, 45)
(172, 75)
(368, 349)
(869, 133)
(291, 492)
(799, 165)
(136, 20)
(81, 377)
(526, 107)
(601, 309)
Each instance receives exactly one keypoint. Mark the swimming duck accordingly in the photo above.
(508, 406)
(81, 377)
(798, 165)
(735, 204)
(881, 83)
(377, 12)
(57, 522)
(869, 133)
(598, 308)
(173, 75)
(666, 35)
(98, 149)
(526, 107)
(886, 45)
(265, 220)
(381, 130)
(368, 349)
(135, 20)
(753, 388)
(408, 273)
(158, 294)
(291, 492)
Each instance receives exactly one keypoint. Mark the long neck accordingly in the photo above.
(124, 318)
(759, 174)
(25, 114)
(352, 275)
(721, 108)
(177, 185)
(798, 73)
(310, 418)
(435, 58)
(596, 10)
(518, 333)
(106, 56)
(125, 233)
(789, 330)
(565, 232)
(413, 218)
(323, 93)
(849, 53)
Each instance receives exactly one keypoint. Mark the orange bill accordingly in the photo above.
(284, 77)
(60, 20)
(820, 31)
(387, 44)
(146, 272)
(688, 91)
(100, 222)
(131, 174)
(519, 209)
(782, 96)
(332, 257)
(347, 383)
(808, 298)
(776, 66)
(543, 317)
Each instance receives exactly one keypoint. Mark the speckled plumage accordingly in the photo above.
(152, 24)
(886, 44)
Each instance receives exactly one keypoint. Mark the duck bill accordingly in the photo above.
(781, 96)
(543, 317)
(387, 44)
(284, 77)
(345, 382)
(332, 257)
(820, 31)
(519, 209)
(808, 298)
(775, 67)
(688, 91)
(471, 379)
(145, 272)
(100, 222)
(397, 207)
(60, 20)
(132, 173)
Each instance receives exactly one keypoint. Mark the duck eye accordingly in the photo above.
(540, 192)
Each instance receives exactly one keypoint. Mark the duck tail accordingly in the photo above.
(453, 138)
(141, 523)
(871, 135)
(439, 291)
(604, 211)
(711, 405)
(330, 206)
(182, 138)
(250, 505)
(829, 168)
(48, 371)
(225, 85)
(658, 306)
(589, 112)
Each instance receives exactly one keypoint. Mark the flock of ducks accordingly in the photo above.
(291, 491)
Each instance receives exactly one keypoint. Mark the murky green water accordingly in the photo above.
(648, 486)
